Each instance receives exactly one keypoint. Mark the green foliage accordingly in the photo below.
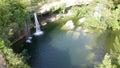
(12, 12)
(1, 43)
(15, 60)
(4, 14)
(109, 16)
(12, 16)
(112, 60)
(81, 11)
(115, 52)
(106, 63)
(59, 8)
(116, 2)
(35, 1)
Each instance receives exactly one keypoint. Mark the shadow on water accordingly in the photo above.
(103, 43)
(58, 51)
(69, 49)
(46, 56)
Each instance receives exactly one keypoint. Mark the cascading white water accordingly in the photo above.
(27, 33)
(37, 26)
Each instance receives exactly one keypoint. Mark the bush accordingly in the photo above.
(13, 13)
(112, 60)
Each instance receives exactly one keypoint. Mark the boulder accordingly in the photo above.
(69, 25)
(82, 20)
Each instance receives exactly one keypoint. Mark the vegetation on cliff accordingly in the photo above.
(100, 14)
(12, 16)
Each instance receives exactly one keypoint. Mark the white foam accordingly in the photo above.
(38, 33)
(28, 41)
(29, 38)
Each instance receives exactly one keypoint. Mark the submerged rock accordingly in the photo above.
(76, 35)
(87, 30)
(78, 29)
(69, 25)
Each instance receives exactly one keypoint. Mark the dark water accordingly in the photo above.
(70, 48)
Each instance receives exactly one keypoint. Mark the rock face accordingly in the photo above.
(97, 13)
(76, 2)
(67, 3)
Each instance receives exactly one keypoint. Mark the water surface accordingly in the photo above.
(70, 48)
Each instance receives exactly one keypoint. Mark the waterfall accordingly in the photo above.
(27, 33)
(37, 26)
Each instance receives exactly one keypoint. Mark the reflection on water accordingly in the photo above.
(70, 48)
